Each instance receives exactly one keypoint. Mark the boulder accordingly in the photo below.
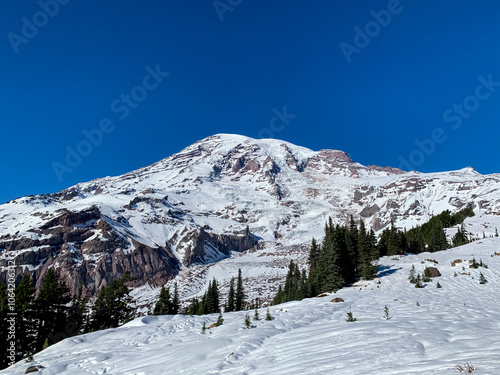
(433, 272)
(337, 299)
(31, 369)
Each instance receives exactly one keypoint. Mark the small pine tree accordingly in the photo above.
(247, 323)
(204, 329)
(496, 232)
(412, 275)
(350, 317)
(418, 282)
(220, 320)
(438, 285)
(386, 313)
(418, 303)
(256, 314)
(482, 279)
(268, 315)
(46, 344)
(426, 277)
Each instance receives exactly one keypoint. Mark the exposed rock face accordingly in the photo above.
(337, 300)
(84, 249)
(221, 243)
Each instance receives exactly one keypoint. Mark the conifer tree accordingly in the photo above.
(175, 300)
(412, 277)
(163, 306)
(26, 319)
(418, 282)
(77, 314)
(268, 315)
(51, 309)
(4, 343)
(256, 313)
(230, 306)
(111, 308)
(247, 323)
(239, 303)
(460, 238)
(220, 320)
(195, 307)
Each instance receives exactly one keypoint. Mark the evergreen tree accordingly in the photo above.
(386, 313)
(211, 298)
(426, 276)
(418, 282)
(437, 239)
(330, 270)
(247, 323)
(51, 309)
(268, 315)
(204, 328)
(111, 308)
(175, 300)
(412, 277)
(163, 306)
(367, 249)
(239, 303)
(220, 320)
(256, 314)
(313, 259)
(496, 232)
(77, 314)
(26, 319)
(4, 343)
(460, 238)
(195, 307)
(230, 306)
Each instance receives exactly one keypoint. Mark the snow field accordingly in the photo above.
(452, 325)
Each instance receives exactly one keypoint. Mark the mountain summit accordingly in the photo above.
(217, 198)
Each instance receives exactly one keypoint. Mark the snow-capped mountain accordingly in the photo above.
(224, 202)
(429, 330)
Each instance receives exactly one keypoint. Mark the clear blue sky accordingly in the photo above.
(231, 69)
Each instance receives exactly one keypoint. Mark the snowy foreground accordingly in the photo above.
(455, 324)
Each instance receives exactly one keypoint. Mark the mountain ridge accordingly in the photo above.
(220, 196)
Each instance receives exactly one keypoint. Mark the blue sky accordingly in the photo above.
(401, 83)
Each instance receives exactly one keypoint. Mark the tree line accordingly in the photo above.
(52, 315)
(350, 252)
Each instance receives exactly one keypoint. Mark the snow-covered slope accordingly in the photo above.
(430, 330)
(224, 201)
